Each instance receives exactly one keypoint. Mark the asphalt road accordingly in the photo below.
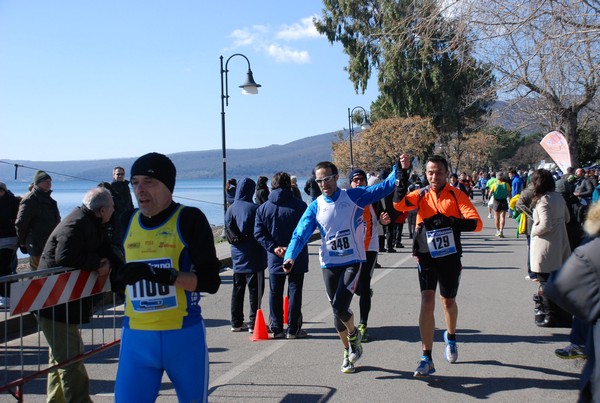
(503, 356)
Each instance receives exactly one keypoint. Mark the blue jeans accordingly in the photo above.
(277, 284)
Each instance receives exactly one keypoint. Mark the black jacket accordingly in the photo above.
(38, 216)
(9, 207)
(78, 242)
(576, 288)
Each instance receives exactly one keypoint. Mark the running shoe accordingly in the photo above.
(300, 334)
(571, 351)
(501, 235)
(355, 347)
(364, 336)
(347, 366)
(279, 335)
(242, 328)
(4, 303)
(425, 367)
(451, 351)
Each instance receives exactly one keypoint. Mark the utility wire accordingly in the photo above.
(17, 166)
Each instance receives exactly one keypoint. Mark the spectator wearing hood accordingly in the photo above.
(248, 257)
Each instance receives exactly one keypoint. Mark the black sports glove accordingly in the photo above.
(438, 221)
(131, 273)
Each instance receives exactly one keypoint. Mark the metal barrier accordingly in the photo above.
(24, 349)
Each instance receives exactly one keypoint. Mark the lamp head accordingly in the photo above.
(249, 87)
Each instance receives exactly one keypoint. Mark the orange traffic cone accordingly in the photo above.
(285, 309)
(260, 327)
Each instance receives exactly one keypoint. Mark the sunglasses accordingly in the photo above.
(325, 179)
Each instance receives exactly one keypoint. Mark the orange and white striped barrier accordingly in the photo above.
(38, 293)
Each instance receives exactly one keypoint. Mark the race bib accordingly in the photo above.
(147, 296)
(340, 244)
(440, 242)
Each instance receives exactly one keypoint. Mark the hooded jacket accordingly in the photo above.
(275, 223)
(248, 256)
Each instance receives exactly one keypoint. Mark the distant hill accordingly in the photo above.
(297, 158)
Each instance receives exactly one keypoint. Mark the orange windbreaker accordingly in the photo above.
(451, 202)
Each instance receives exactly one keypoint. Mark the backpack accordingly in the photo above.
(232, 232)
(500, 192)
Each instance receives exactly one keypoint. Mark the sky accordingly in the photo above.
(86, 79)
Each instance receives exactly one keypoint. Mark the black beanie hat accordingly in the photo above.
(355, 172)
(40, 176)
(157, 166)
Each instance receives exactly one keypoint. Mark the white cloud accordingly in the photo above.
(304, 29)
(283, 54)
(261, 38)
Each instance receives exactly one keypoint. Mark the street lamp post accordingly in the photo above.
(249, 87)
(364, 125)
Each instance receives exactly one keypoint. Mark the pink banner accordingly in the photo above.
(557, 148)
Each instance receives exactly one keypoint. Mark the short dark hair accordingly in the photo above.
(325, 165)
(281, 180)
(438, 159)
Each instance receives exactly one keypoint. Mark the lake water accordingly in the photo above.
(206, 194)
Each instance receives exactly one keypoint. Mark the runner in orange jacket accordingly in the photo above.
(443, 213)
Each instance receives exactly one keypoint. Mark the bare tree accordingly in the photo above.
(547, 51)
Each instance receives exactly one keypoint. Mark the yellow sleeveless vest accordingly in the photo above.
(152, 306)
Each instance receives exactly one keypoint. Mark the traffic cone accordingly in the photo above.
(285, 309)
(260, 327)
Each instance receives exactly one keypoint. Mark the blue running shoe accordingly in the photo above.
(425, 367)
(451, 351)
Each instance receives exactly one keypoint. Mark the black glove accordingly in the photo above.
(131, 273)
(438, 221)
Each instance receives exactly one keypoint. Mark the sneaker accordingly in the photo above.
(489, 215)
(364, 336)
(451, 351)
(355, 347)
(425, 367)
(300, 334)
(279, 335)
(391, 250)
(571, 351)
(242, 328)
(250, 329)
(500, 235)
(347, 366)
(4, 303)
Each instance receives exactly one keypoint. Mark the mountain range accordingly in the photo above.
(297, 158)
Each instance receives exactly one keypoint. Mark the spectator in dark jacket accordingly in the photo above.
(262, 190)
(9, 206)
(275, 223)
(230, 190)
(120, 185)
(38, 216)
(311, 188)
(576, 288)
(80, 241)
(248, 257)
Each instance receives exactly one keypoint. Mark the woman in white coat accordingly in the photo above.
(549, 244)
